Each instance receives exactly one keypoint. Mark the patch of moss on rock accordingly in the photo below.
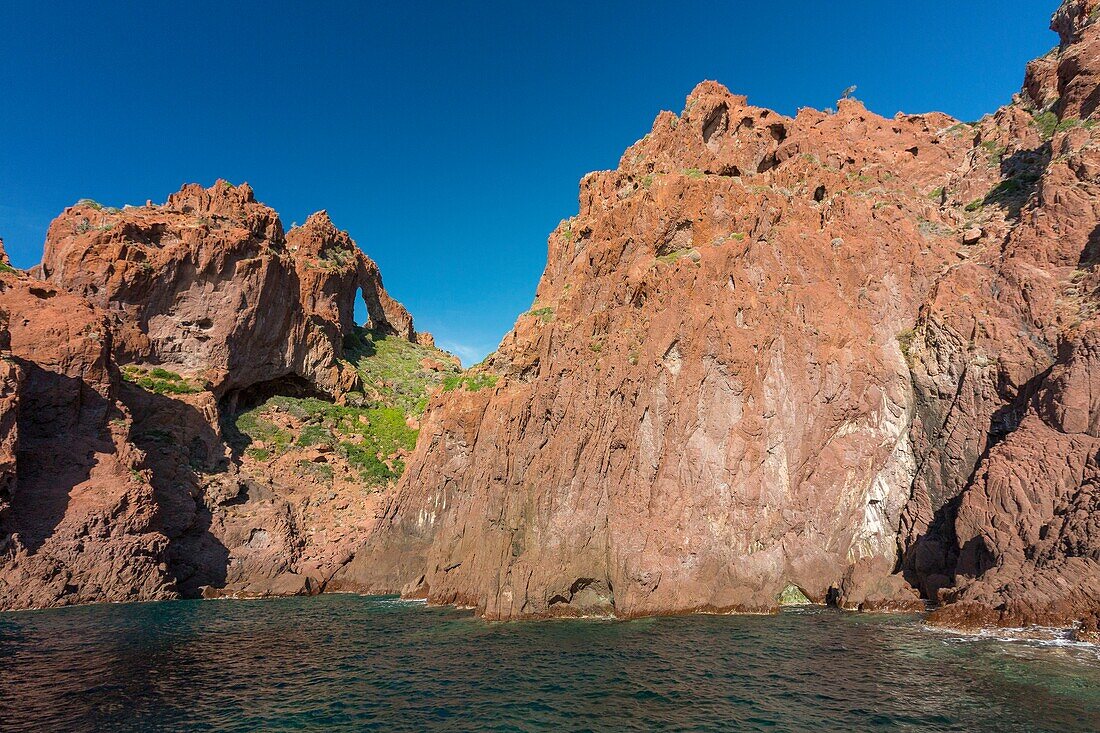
(792, 595)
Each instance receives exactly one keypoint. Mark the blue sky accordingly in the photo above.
(448, 138)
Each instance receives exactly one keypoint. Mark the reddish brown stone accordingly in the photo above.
(757, 358)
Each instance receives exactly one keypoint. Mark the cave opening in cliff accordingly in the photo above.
(237, 402)
(289, 385)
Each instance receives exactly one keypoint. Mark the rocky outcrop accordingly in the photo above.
(998, 329)
(829, 358)
(773, 352)
(208, 285)
(128, 358)
(80, 523)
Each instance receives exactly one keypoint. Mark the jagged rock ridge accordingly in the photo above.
(838, 352)
(188, 407)
(833, 357)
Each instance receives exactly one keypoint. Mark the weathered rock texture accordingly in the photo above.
(208, 284)
(134, 483)
(839, 352)
(834, 357)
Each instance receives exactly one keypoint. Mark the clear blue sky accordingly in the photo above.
(447, 137)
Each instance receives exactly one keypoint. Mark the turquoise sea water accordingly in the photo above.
(349, 663)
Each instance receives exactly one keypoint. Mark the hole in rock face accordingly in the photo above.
(40, 292)
(236, 402)
(359, 306)
(792, 595)
(913, 151)
(291, 385)
(819, 194)
(586, 595)
(778, 131)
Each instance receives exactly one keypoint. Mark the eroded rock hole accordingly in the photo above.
(585, 596)
(238, 401)
(290, 385)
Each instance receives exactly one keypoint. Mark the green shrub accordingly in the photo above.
(1046, 123)
(546, 314)
(694, 173)
(259, 454)
(471, 382)
(158, 380)
(363, 459)
(314, 435)
(320, 471)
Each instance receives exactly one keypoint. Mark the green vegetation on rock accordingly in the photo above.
(792, 595)
(159, 380)
(368, 438)
(546, 314)
(391, 368)
(689, 252)
(470, 382)
(1046, 123)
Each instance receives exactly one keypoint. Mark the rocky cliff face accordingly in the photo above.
(208, 284)
(186, 405)
(837, 353)
(835, 357)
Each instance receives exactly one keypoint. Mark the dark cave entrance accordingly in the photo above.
(254, 395)
(236, 402)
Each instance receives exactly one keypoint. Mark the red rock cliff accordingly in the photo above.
(840, 352)
(208, 284)
(133, 483)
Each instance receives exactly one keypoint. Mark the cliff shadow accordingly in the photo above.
(1021, 173)
(182, 450)
(1090, 255)
(934, 559)
(62, 427)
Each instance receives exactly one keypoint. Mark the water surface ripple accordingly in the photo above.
(348, 663)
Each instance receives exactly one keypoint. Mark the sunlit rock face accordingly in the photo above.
(770, 352)
(187, 407)
(208, 282)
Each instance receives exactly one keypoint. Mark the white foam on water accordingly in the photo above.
(1030, 636)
